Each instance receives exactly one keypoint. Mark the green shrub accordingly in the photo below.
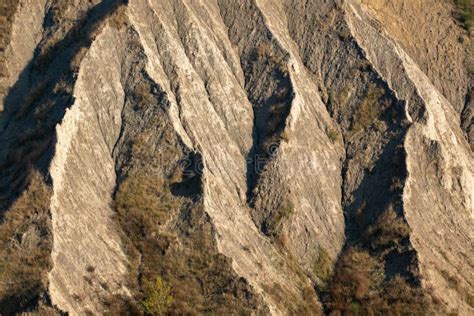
(159, 297)
(465, 13)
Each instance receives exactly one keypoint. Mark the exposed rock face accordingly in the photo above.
(440, 170)
(90, 241)
(239, 150)
(24, 35)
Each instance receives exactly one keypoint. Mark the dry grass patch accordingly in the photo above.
(7, 11)
(148, 195)
(25, 247)
(369, 109)
(322, 268)
(359, 287)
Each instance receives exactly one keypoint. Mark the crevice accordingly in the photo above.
(373, 124)
(268, 86)
(167, 234)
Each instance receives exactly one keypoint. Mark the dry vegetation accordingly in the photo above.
(7, 11)
(76, 31)
(25, 246)
(369, 109)
(272, 225)
(168, 237)
(147, 195)
(465, 13)
(119, 18)
(193, 274)
(265, 52)
(333, 135)
(359, 287)
(387, 232)
(455, 283)
(361, 284)
(322, 268)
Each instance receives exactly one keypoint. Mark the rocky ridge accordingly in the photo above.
(243, 151)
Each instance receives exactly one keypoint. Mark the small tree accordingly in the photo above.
(159, 297)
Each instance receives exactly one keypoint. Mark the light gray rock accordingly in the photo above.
(357, 117)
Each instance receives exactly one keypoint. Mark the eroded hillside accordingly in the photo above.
(245, 157)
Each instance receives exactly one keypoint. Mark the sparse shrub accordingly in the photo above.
(263, 50)
(284, 136)
(355, 282)
(360, 287)
(35, 94)
(144, 96)
(282, 66)
(344, 33)
(3, 67)
(74, 66)
(266, 52)
(333, 135)
(145, 194)
(369, 108)
(396, 184)
(7, 10)
(43, 110)
(159, 297)
(25, 246)
(272, 224)
(282, 93)
(388, 232)
(322, 268)
(465, 13)
(119, 18)
(401, 298)
(455, 283)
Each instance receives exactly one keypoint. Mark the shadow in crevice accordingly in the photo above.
(268, 126)
(190, 185)
(379, 192)
(38, 100)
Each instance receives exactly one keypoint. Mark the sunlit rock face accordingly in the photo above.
(239, 150)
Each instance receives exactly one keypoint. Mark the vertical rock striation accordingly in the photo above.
(88, 261)
(240, 152)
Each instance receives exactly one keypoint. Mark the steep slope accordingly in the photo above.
(89, 130)
(440, 169)
(235, 157)
(17, 46)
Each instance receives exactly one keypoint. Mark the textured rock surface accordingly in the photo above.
(238, 149)
(25, 34)
(88, 241)
(440, 169)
